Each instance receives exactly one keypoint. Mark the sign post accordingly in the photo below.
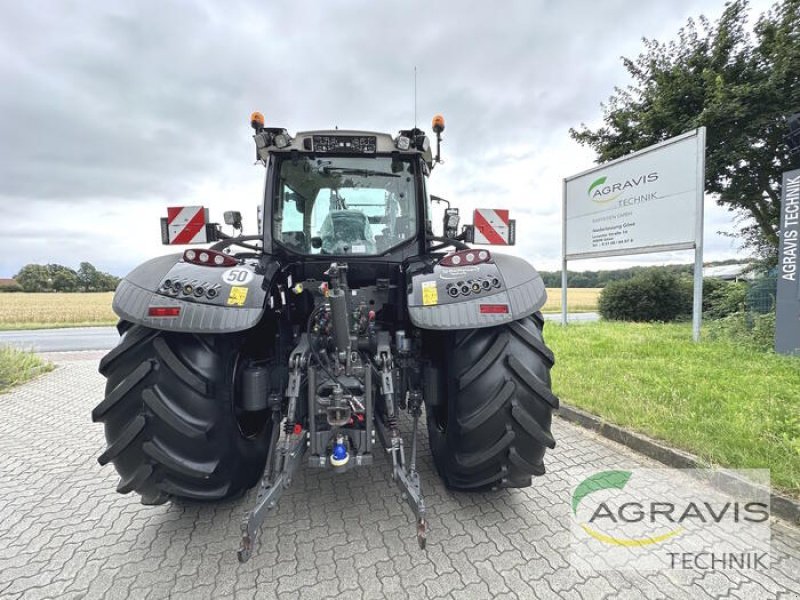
(787, 300)
(648, 201)
(697, 305)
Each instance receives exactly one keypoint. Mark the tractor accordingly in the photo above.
(302, 346)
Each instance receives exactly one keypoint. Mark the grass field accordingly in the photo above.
(719, 400)
(18, 367)
(38, 311)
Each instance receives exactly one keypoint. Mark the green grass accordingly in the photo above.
(18, 367)
(720, 400)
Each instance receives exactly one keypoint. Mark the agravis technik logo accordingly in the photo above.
(614, 480)
(603, 193)
(650, 519)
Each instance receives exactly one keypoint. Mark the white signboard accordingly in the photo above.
(648, 201)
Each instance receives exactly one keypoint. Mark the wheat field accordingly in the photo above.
(578, 300)
(39, 310)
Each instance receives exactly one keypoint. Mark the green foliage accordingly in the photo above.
(17, 367)
(92, 280)
(58, 278)
(756, 331)
(598, 279)
(88, 276)
(10, 288)
(741, 86)
(722, 298)
(651, 296)
(64, 279)
(34, 278)
(710, 287)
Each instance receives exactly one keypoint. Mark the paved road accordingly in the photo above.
(65, 533)
(105, 338)
(62, 340)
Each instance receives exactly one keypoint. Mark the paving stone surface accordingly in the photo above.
(65, 532)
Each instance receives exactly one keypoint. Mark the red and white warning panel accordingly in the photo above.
(492, 226)
(185, 225)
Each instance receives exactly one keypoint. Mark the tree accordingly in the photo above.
(88, 277)
(742, 87)
(58, 278)
(63, 279)
(34, 278)
(107, 282)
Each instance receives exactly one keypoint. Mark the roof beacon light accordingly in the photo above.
(438, 127)
(466, 257)
(257, 121)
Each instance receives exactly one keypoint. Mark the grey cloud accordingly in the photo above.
(124, 103)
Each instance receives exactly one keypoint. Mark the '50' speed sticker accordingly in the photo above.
(237, 276)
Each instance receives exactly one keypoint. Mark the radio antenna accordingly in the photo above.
(415, 96)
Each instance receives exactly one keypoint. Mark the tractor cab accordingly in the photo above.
(344, 194)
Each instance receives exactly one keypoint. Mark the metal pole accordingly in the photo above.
(564, 253)
(697, 309)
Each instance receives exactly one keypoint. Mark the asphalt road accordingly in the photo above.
(80, 339)
(62, 340)
(65, 533)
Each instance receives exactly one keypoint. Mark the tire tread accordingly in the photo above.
(167, 435)
(499, 407)
(125, 439)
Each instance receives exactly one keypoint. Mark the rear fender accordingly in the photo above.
(436, 300)
(236, 303)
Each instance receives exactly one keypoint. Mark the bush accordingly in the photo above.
(724, 300)
(755, 330)
(650, 296)
(710, 287)
(10, 287)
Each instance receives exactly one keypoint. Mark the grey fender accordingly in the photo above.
(473, 296)
(219, 299)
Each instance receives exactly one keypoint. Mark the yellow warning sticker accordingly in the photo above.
(237, 296)
(430, 295)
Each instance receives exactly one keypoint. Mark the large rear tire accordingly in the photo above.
(494, 426)
(170, 417)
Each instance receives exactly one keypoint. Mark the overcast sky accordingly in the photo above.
(111, 111)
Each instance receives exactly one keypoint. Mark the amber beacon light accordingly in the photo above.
(257, 121)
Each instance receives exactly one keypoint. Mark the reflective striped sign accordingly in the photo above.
(187, 224)
(492, 226)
